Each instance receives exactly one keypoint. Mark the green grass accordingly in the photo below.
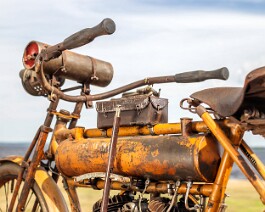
(243, 197)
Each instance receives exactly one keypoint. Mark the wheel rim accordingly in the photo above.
(7, 186)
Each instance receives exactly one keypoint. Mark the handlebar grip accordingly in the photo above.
(85, 36)
(198, 76)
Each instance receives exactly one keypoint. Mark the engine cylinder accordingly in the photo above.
(169, 157)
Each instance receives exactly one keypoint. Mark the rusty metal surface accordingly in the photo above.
(76, 112)
(159, 187)
(186, 126)
(234, 154)
(39, 143)
(12, 158)
(84, 98)
(49, 189)
(111, 158)
(217, 196)
(158, 129)
(135, 110)
(70, 65)
(155, 157)
(20, 175)
(31, 170)
(253, 158)
(227, 101)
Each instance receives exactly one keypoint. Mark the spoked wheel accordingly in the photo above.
(8, 178)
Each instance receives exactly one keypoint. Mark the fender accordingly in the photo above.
(48, 187)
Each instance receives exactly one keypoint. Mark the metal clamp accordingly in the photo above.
(151, 129)
(190, 107)
(94, 69)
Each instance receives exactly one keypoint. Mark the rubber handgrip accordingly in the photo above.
(198, 76)
(85, 36)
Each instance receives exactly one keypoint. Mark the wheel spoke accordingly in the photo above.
(36, 205)
(8, 178)
(12, 186)
(29, 198)
(7, 188)
(6, 197)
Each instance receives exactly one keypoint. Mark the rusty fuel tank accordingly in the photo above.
(168, 157)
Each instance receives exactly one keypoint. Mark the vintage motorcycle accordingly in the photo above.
(133, 149)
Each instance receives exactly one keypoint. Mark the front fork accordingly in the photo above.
(38, 143)
(230, 156)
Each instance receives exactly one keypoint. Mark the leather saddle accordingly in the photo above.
(234, 101)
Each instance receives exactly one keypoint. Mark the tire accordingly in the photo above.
(8, 175)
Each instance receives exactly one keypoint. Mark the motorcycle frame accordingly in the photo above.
(228, 133)
(215, 191)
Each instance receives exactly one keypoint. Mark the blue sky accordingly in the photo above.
(152, 38)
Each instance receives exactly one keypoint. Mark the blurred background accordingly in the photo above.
(153, 38)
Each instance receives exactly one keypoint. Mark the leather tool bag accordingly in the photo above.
(137, 110)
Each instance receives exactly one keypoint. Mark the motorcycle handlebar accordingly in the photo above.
(198, 76)
(217, 74)
(83, 37)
